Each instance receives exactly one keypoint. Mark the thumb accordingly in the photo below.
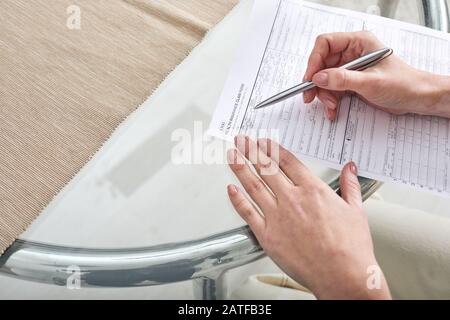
(350, 188)
(341, 80)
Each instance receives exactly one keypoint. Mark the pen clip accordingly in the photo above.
(387, 55)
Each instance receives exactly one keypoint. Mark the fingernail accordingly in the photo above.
(353, 168)
(331, 114)
(232, 189)
(307, 96)
(321, 79)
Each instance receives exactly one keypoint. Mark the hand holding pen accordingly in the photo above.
(390, 85)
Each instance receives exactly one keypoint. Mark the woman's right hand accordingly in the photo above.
(391, 85)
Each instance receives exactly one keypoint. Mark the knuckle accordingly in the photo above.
(353, 184)
(284, 159)
(311, 189)
(255, 187)
(246, 212)
(315, 63)
(368, 39)
(284, 162)
(241, 205)
(319, 39)
(323, 38)
(238, 167)
(342, 79)
(364, 34)
(314, 59)
(292, 198)
(322, 191)
(265, 163)
(245, 209)
(315, 190)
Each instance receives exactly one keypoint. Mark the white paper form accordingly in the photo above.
(411, 149)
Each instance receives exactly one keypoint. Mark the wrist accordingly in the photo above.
(435, 92)
(365, 282)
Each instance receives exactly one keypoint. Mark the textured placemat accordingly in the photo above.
(67, 83)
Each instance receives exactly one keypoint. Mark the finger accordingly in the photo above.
(322, 57)
(330, 101)
(289, 164)
(246, 210)
(336, 59)
(350, 188)
(264, 165)
(333, 49)
(326, 45)
(309, 95)
(315, 63)
(251, 183)
(332, 61)
(328, 98)
(349, 45)
(331, 114)
(337, 79)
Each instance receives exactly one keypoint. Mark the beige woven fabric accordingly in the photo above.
(63, 91)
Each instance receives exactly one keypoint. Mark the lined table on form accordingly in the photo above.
(410, 149)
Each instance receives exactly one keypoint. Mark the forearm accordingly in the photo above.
(437, 95)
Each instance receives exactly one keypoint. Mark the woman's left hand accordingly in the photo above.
(318, 238)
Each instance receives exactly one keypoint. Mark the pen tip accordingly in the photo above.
(259, 105)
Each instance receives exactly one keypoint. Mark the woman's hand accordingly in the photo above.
(319, 239)
(391, 85)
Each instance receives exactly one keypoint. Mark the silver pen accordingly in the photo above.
(359, 64)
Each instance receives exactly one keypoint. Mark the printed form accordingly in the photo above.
(409, 149)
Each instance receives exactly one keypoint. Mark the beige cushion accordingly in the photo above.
(413, 249)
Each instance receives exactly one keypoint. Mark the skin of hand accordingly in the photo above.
(391, 85)
(318, 238)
